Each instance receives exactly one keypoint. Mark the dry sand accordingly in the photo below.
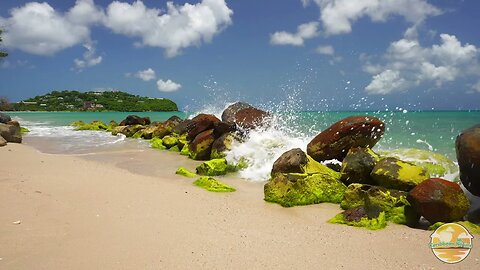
(130, 211)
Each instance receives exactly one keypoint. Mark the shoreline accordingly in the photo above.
(130, 211)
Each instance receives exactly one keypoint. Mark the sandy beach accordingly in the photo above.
(128, 210)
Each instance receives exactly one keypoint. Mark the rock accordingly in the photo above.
(354, 131)
(94, 125)
(468, 155)
(215, 167)
(292, 189)
(3, 142)
(390, 201)
(5, 118)
(228, 114)
(135, 120)
(201, 123)
(220, 128)
(357, 166)
(437, 200)
(185, 150)
(183, 127)
(296, 161)
(157, 143)
(221, 145)
(148, 132)
(78, 123)
(24, 130)
(170, 141)
(183, 171)
(211, 184)
(251, 118)
(358, 217)
(111, 125)
(163, 130)
(11, 132)
(436, 164)
(396, 174)
(201, 147)
(118, 130)
(175, 120)
(129, 131)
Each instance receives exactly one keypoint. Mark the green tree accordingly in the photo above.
(2, 53)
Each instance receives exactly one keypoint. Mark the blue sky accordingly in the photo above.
(310, 54)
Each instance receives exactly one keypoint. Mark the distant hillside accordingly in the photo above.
(94, 101)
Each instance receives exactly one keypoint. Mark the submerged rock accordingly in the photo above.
(292, 189)
(354, 131)
(390, 201)
(135, 120)
(11, 132)
(437, 200)
(211, 184)
(5, 118)
(467, 147)
(397, 174)
(185, 172)
(215, 167)
(357, 166)
(201, 147)
(436, 164)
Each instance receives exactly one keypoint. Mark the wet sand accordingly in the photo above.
(128, 210)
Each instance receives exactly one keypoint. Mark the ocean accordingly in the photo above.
(430, 130)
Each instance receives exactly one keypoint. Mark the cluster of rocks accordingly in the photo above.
(374, 188)
(10, 130)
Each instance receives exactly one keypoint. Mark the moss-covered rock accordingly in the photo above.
(174, 149)
(111, 125)
(95, 125)
(185, 150)
(222, 145)
(377, 223)
(211, 184)
(390, 201)
(302, 189)
(397, 174)
(24, 130)
(200, 148)
(137, 134)
(185, 172)
(436, 164)
(78, 123)
(357, 166)
(215, 167)
(157, 143)
(169, 141)
(128, 131)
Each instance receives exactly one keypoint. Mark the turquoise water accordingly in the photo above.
(425, 130)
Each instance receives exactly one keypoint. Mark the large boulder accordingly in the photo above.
(215, 167)
(201, 123)
(128, 131)
(296, 161)
(468, 155)
(201, 147)
(5, 118)
(438, 200)
(163, 129)
(220, 128)
(390, 201)
(357, 166)
(135, 120)
(436, 164)
(184, 127)
(228, 114)
(148, 131)
(175, 119)
(290, 189)
(222, 145)
(170, 141)
(397, 174)
(11, 132)
(251, 118)
(354, 131)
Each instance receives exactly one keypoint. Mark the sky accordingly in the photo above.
(292, 54)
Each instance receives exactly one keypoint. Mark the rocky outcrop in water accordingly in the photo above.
(467, 147)
(135, 120)
(338, 139)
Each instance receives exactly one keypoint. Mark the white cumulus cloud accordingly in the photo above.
(37, 28)
(146, 75)
(168, 85)
(90, 57)
(408, 64)
(178, 28)
(304, 31)
(326, 50)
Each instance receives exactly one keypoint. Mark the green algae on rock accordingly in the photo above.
(170, 141)
(471, 227)
(212, 184)
(185, 150)
(24, 130)
(390, 201)
(436, 164)
(95, 125)
(292, 189)
(174, 149)
(215, 167)
(185, 172)
(157, 143)
(357, 166)
(377, 223)
(397, 174)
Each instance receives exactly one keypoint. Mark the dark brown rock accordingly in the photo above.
(220, 128)
(135, 120)
(201, 147)
(357, 166)
(221, 145)
(184, 127)
(11, 132)
(438, 200)
(292, 161)
(201, 123)
(251, 118)
(468, 155)
(228, 114)
(175, 119)
(354, 131)
(5, 118)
